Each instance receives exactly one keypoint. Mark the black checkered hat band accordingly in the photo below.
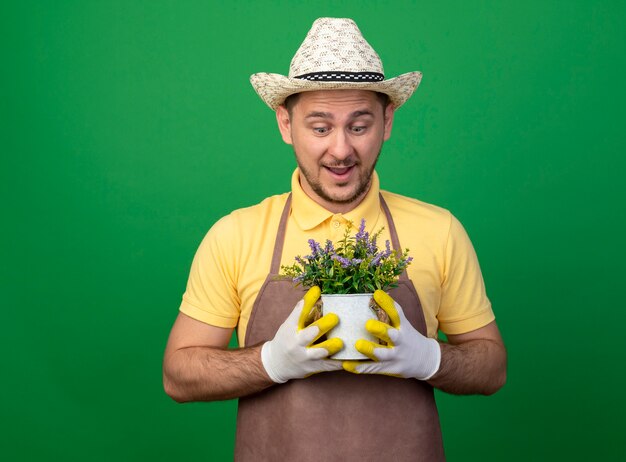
(340, 76)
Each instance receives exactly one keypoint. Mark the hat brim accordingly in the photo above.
(275, 88)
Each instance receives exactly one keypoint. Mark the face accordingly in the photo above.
(337, 136)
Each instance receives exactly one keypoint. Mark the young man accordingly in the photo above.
(336, 109)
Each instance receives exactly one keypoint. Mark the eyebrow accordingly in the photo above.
(319, 115)
(328, 115)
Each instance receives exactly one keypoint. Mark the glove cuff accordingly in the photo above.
(431, 366)
(266, 360)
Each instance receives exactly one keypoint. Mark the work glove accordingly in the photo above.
(291, 353)
(407, 353)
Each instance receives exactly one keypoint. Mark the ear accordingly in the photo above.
(389, 112)
(284, 123)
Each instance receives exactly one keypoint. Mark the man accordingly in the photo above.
(336, 110)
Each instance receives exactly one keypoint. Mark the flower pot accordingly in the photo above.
(353, 311)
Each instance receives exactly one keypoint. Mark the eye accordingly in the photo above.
(358, 130)
(320, 130)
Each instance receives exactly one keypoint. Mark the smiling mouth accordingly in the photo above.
(340, 170)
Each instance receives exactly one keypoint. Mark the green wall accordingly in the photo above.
(129, 127)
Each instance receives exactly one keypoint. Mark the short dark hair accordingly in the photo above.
(291, 101)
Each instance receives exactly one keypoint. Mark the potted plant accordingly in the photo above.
(348, 272)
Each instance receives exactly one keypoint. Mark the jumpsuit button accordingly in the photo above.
(336, 224)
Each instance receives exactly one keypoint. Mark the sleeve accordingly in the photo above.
(464, 304)
(211, 293)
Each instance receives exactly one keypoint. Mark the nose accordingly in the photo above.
(340, 146)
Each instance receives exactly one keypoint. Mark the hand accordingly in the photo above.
(407, 353)
(290, 355)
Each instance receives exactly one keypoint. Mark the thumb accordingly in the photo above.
(389, 306)
(308, 301)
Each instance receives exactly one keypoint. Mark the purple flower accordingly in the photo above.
(381, 255)
(387, 253)
(315, 247)
(376, 260)
(361, 235)
(372, 247)
(329, 248)
(345, 263)
(356, 261)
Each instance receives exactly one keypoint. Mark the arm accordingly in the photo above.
(198, 366)
(474, 362)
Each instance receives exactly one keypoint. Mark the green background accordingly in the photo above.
(128, 128)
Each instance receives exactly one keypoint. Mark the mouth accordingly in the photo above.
(340, 173)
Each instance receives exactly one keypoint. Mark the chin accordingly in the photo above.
(342, 198)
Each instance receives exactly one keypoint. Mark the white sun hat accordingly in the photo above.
(334, 56)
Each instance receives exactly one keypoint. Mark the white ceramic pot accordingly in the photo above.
(353, 311)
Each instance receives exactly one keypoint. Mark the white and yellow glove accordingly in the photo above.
(291, 355)
(407, 353)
